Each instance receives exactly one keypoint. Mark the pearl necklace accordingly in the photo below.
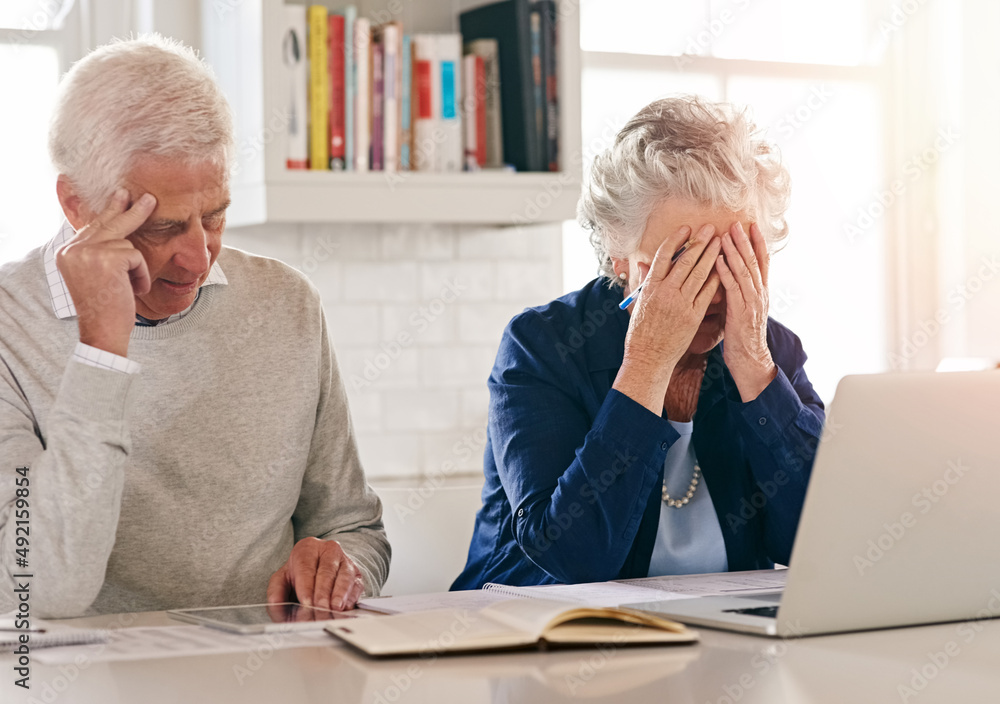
(692, 487)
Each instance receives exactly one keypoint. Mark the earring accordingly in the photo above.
(623, 276)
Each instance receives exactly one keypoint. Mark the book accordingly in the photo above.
(511, 624)
(319, 110)
(338, 145)
(537, 80)
(362, 96)
(296, 79)
(474, 111)
(406, 104)
(391, 40)
(550, 81)
(489, 51)
(427, 93)
(350, 85)
(378, 103)
(450, 154)
(509, 23)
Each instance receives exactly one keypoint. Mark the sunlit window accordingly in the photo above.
(808, 73)
(29, 211)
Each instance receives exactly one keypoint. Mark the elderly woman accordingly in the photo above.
(675, 436)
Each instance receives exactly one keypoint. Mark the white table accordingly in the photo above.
(723, 669)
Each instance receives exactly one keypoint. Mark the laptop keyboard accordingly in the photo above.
(765, 611)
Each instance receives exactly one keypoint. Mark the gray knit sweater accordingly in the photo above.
(187, 484)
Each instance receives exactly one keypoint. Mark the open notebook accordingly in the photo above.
(514, 623)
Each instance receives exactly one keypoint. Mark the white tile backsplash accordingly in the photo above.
(416, 313)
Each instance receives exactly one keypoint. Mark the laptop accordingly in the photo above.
(899, 526)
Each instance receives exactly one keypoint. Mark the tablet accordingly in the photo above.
(261, 618)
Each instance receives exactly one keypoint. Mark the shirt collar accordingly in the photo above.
(62, 303)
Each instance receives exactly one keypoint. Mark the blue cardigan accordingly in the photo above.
(573, 468)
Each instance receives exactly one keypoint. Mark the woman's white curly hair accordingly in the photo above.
(688, 148)
(149, 96)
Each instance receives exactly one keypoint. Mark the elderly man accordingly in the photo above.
(174, 431)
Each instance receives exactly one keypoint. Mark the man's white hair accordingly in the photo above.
(149, 96)
(688, 148)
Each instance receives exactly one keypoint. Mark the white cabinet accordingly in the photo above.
(242, 41)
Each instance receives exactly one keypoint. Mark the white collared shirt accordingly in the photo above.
(62, 305)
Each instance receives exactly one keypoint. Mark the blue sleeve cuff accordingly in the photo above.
(770, 414)
(626, 422)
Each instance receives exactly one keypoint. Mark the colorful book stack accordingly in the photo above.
(373, 98)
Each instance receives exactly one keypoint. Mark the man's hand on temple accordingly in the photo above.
(104, 272)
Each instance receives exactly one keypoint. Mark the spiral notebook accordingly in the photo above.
(43, 634)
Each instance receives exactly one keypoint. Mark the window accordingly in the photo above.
(39, 39)
(810, 74)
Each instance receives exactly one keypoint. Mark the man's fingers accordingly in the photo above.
(278, 586)
(302, 567)
(121, 221)
(326, 573)
(138, 273)
(662, 260)
(345, 591)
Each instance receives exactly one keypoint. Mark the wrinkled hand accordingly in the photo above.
(667, 314)
(104, 272)
(317, 573)
(742, 269)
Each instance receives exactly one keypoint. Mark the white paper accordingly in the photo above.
(717, 584)
(180, 641)
(596, 594)
(471, 599)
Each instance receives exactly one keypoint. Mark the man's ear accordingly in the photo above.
(73, 207)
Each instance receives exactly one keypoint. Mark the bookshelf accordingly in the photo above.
(242, 41)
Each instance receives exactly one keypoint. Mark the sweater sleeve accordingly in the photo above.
(336, 502)
(577, 485)
(75, 476)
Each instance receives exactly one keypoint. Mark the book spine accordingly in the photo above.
(337, 138)
(362, 101)
(378, 104)
(422, 155)
(390, 108)
(552, 84)
(350, 85)
(319, 110)
(406, 105)
(296, 73)
(536, 74)
(480, 111)
(469, 111)
(450, 155)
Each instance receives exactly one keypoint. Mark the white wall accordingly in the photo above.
(418, 401)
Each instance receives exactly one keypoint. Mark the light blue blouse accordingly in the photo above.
(689, 539)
